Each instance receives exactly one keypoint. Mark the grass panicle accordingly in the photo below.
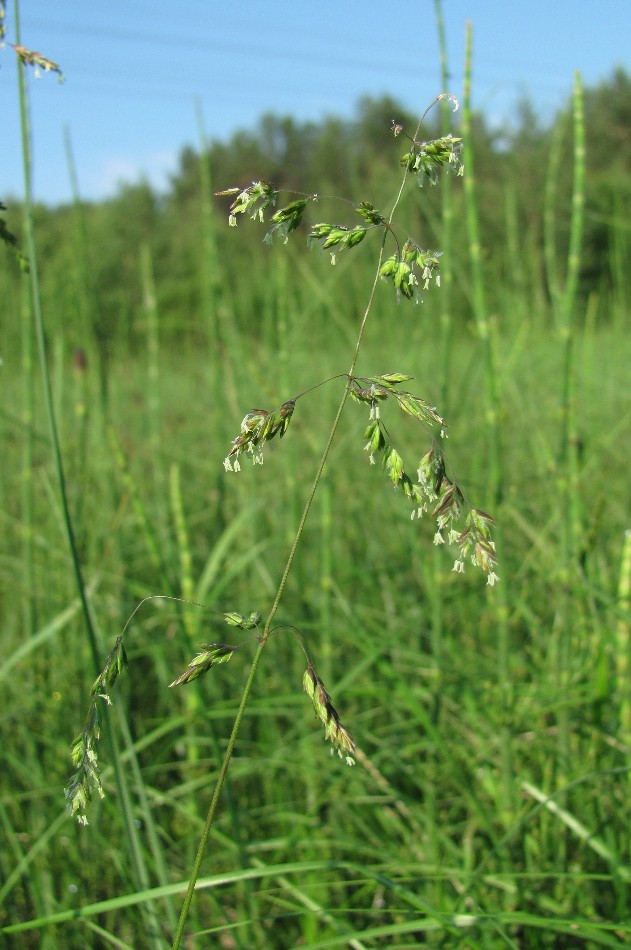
(408, 268)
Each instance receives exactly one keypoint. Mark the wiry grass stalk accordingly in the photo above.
(150, 308)
(40, 341)
(212, 811)
(135, 850)
(447, 228)
(549, 216)
(564, 294)
(567, 313)
(326, 581)
(28, 401)
(435, 587)
(493, 408)
(480, 309)
(569, 436)
(265, 636)
(187, 587)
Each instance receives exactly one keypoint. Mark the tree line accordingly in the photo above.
(89, 251)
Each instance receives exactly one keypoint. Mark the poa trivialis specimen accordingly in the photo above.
(425, 481)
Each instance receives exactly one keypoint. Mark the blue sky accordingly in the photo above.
(137, 71)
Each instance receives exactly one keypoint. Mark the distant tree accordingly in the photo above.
(334, 157)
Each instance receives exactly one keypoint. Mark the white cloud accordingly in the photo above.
(154, 167)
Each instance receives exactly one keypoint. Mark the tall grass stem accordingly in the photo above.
(446, 226)
(486, 334)
(135, 849)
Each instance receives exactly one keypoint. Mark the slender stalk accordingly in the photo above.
(493, 406)
(446, 323)
(568, 462)
(446, 226)
(201, 848)
(480, 309)
(567, 312)
(40, 341)
(27, 488)
(185, 557)
(150, 307)
(549, 217)
(325, 582)
(435, 588)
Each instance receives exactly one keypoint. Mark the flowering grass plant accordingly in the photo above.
(428, 486)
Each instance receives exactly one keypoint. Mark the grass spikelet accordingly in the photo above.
(211, 654)
(86, 778)
(339, 737)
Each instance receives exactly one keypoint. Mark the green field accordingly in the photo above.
(489, 803)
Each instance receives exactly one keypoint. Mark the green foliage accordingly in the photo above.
(9, 239)
(488, 804)
(418, 685)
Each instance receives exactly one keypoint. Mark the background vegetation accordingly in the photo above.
(470, 706)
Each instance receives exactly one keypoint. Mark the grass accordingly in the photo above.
(424, 829)
(489, 804)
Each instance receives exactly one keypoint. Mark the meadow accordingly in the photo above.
(489, 803)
